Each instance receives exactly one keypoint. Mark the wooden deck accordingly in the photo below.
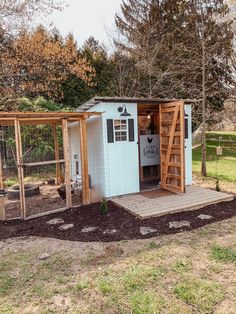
(157, 203)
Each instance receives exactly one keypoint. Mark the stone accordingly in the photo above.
(66, 227)
(55, 221)
(109, 232)
(51, 181)
(204, 217)
(147, 230)
(88, 229)
(179, 224)
(43, 256)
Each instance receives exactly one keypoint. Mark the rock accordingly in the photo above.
(204, 217)
(88, 229)
(51, 181)
(147, 230)
(66, 227)
(43, 256)
(179, 224)
(55, 221)
(109, 232)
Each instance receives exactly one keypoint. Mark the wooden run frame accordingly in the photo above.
(55, 119)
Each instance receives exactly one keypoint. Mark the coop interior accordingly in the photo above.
(163, 123)
(148, 124)
(43, 171)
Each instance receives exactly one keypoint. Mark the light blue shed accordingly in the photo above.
(136, 144)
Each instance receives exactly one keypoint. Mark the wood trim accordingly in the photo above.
(84, 162)
(66, 147)
(56, 152)
(19, 159)
(2, 199)
(182, 145)
(161, 145)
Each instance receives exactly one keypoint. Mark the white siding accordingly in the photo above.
(74, 135)
(188, 147)
(95, 153)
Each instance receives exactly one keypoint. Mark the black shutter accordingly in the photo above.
(131, 130)
(110, 131)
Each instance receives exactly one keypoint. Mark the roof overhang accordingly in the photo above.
(37, 118)
(139, 100)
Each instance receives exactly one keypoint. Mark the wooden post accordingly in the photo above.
(56, 152)
(84, 162)
(67, 157)
(19, 159)
(2, 199)
(182, 144)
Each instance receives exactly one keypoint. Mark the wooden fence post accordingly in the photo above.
(2, 199)
(56, 152)
(84, 162)
(67, 157)
(19, 159)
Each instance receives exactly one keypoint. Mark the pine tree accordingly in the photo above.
(184, 48)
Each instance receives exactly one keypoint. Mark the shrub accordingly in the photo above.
(104, 207)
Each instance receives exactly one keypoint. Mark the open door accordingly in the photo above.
(172, 146)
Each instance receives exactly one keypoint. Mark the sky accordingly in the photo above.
(84, 18)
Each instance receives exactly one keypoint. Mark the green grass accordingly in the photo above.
(223, 254)
(226, 163)
(11, 181)
(201, 294)
(182, 275)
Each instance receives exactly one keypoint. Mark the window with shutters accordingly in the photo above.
(120, 130)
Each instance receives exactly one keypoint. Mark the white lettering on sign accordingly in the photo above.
(149, 150)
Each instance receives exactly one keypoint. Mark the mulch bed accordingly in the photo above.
(127, 225)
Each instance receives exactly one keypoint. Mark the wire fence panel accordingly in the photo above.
(10, 173)
(43, 167)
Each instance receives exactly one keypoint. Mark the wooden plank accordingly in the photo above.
(19, 159)
(182, 147)
(167, 134)
(195, 198)
(169, 122)
(2, 199)
(84, 162)
(168, 154)
(56, 152)
(40, 163)
(174, 176)
(67, 156)
(161, 146)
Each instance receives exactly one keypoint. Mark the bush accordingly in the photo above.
(104, 207)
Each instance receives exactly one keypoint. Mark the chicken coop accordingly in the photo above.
(35, 163)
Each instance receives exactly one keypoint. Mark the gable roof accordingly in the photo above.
(96, 100)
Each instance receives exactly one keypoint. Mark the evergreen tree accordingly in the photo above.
(165, 39)
(77, 91)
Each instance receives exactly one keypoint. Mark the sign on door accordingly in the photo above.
(149, 150)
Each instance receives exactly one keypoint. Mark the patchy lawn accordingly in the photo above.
(190, 272)
(226, 164)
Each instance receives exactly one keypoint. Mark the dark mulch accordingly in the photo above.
(127, 225)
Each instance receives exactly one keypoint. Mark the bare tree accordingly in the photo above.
(16, 14)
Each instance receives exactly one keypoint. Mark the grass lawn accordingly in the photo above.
(226, 163)
(184, 273)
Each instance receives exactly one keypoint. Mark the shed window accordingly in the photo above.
(121, 130)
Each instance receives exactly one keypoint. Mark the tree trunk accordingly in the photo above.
(204, 173)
